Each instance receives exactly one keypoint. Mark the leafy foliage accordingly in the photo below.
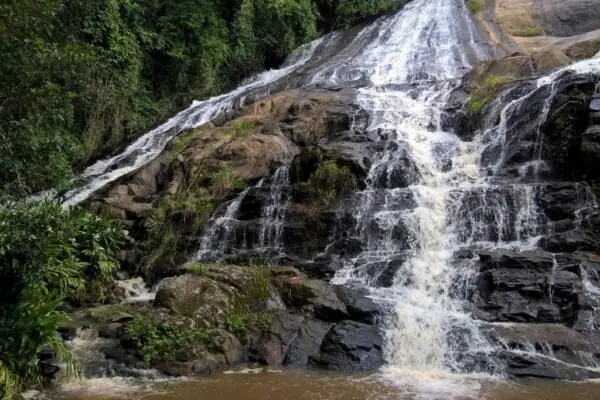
(79, 77)
(482, 93)
(475, 5)
(158, 340)
(328, 183)
(47, 254)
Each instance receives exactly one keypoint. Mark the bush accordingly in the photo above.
(242, 127)
(475, 5)
(529, 31)
(159, 340)
(47, 254)
(328, 183)
(223, 182)
(481, 94)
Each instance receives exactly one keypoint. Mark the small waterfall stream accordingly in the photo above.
(226, 234)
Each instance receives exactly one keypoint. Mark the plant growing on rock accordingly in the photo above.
(243, 127)
(160, 340)
(529, 31)
(483, 93)
(329, 183)
(475, 6)
(224, 182)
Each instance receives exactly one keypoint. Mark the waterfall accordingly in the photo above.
(428, 196)
(226, 234)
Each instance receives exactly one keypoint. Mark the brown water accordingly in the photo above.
(302, 385)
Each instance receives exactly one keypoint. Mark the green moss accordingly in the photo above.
(158, 340)
(243, 127)
(475, 5)
(529, 31)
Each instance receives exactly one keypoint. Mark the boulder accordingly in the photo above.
(203, 299)
(272, 346)
(308, 342)
(350, 346)
(360, 307)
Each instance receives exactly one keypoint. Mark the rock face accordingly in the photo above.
(351, 346)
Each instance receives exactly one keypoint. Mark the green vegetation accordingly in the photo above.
(328, 183)
(481, 94)
(181, 143)
(475, 5)
(158, 340)
(47, 254)
(242, 127)
(224, 182)
(80, 77)
(249, 313)
(529, 31)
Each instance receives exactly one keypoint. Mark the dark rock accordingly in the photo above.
(273, 346)
(529, 286)
(68, 332)
(521, 365)
(351, 346)
(360, 307)
(553, 344)
(307, 345)
(570, 241)
(111, 331)
(400, 172)
(48, 363)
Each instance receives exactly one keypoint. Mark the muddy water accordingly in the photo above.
(302, 385)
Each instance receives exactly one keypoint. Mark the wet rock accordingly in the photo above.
(48, 364)
(307, 345)
(110, 331)
(547, 350)
(298, 292)
(68, 332)
(529, 286)
(272, 346)
(570, 241)
(400, 172)
(359, 305)
(350, 346)
(521, 365)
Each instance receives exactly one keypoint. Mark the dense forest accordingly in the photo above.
(78, 79)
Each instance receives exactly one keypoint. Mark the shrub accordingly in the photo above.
(181, 143)
(475, 5)
(529, 31)
(328, 183)
(242, 127)
(224, 182)
(47, 254)
(481, 94)
(158, 340)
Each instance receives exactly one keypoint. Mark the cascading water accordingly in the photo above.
(226, 234)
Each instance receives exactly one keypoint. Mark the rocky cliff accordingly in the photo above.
(199, 213)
